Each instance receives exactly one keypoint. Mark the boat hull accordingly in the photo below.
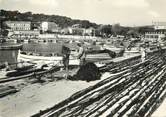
(54, 60)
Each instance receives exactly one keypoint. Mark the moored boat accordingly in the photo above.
(133, 50)
(41, 60)
(23, 68)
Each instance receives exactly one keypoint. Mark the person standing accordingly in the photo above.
(7, 66)
(143, 53)
(65, 59)
(81, 54)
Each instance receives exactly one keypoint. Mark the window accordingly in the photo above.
(151, 36)
(156, 36)
(147, 36)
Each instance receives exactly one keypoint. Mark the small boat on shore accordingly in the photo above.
(98, 55)
(23, 68)
(134, 50)
(41, 60)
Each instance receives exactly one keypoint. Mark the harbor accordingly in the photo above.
(26, 86)
(34, 94)
(36, 77)
(90, 58)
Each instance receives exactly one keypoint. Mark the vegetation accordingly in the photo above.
(63, 22)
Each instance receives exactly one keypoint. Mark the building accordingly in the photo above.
(66, 31)
(155, 36)
(18, 25)
(76, 26)
(49, 26)
(24, 34)
(90, 31)
(47, 36)
(159, 25)
(76, 29)
(159, 33)
(36, 25)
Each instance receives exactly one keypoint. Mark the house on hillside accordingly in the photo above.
(76, 29)
(18, 25)
(90, 31)
(21, 29)
(50, 27)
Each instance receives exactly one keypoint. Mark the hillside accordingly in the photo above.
(62, 21)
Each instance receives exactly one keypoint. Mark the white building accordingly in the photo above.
(47, 36)
(159, 33)
(90, 31)
(18, 25)
(159, 25)
(24, 34)
(49, 26)
(155, 36)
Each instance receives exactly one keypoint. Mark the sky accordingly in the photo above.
(125, 12)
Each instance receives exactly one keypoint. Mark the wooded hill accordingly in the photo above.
(63, 22)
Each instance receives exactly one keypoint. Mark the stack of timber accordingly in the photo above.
(35, 73)
(136, 90)
(6, 90)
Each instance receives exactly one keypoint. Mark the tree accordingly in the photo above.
(133, 32)
(144, 29)
(105, 30)
(4, 32)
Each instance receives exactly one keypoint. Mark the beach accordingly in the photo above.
(34, 97)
